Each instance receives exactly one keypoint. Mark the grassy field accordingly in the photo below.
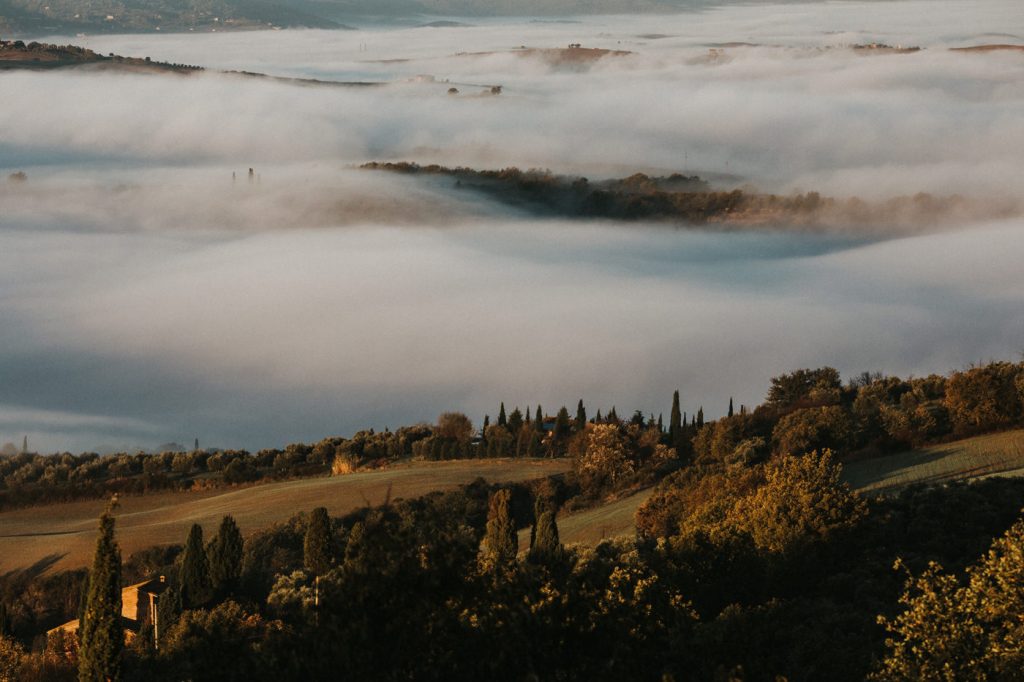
(590, 526)
(979, 457)
(63, 536)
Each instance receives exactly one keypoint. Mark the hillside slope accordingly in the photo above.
(63, 535)
(998, 454)
(978, 457)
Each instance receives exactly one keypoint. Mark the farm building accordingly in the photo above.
(138, 607)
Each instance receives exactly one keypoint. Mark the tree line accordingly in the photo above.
(682, 199)
(869, 415)
(783, 573)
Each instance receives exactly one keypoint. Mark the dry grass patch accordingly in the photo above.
(66, 533)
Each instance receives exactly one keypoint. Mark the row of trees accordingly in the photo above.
(871, 415)
(688, 200)
(804, 410)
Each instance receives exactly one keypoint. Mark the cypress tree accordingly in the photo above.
(700, 416)
(730, 406)
(613, 416)
(194, 575)
(539, 422)
(317, 546)
(502, 420)
(225, 557)
(168, 608)
(533, 444)
(546, 545)
(675, 421)
(661, 424)
(527, 415)
(597, 417)
(483, 431)
(83, 598)
(515, 422)
(100, 631)
(562, 426)
(581, 416)
(501, 543)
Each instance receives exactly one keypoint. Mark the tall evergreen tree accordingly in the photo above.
(562, 426)
(194, 575)
(730, 406)
(528, 413)
(700, 416)
(533, 443)
(613, 416)
(483, 431)
(317, 546)
(100, 631)
(501, 543)
(502, 419)
(539, 422)
(5, 620)
(581, 416)
(546, 545)
(83, 598)
(661, 424)
(515, 422)
(597, 417)
(225, 557)
(675, 422)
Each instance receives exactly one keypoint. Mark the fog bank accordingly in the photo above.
(147, 297)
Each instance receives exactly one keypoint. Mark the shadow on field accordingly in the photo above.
(25, 575)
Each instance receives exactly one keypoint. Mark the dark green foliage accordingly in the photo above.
(805, 387)
(545, 546)
(225, 557)
(533, 443)
(515, 422)
(194, 575)
(581, 416)
(561, 433)
(101, 635)
(317, 547)
(538, 423)
(502, 420)
(227, 643)
(5, 620)
(675, 423)
(985, 398)
(813, 428)
(501, 543)
(83, 598)
(700, 417)
(730, 407)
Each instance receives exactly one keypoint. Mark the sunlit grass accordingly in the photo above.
(993, 454)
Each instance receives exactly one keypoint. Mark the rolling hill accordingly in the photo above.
(62, 536)
(997, 454)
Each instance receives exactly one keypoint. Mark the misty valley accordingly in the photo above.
(249, 254)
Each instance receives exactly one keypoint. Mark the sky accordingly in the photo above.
(145, 297)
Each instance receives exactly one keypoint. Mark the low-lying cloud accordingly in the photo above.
(140, 285)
